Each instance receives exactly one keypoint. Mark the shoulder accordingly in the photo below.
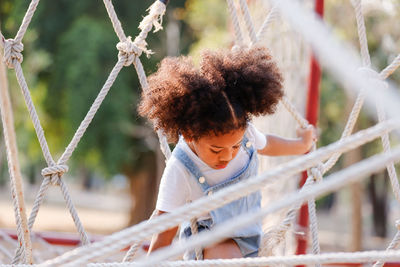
(174, 169)
(256, 137)
(174, 188)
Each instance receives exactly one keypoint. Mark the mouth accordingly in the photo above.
(221, 166)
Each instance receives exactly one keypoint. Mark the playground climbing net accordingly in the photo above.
(358, 77)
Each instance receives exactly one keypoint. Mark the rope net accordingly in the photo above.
(336, 58)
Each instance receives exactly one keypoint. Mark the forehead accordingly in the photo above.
(223, 140)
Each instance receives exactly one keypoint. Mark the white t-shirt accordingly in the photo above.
(178, 186)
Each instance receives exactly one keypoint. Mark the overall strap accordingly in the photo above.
(192, 167)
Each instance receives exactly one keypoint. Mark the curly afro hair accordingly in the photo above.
(220, 96)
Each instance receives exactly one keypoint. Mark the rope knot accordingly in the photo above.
(12, 50)
(56, 169)
(373, 77)
(129, 51)
(316, 172)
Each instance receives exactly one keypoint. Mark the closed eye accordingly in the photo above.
(215, 152)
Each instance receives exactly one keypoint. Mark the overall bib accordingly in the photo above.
(248, 238)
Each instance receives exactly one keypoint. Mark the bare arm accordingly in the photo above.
(162, 239)
(278, 146)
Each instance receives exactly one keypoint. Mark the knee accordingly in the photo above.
(227, 249)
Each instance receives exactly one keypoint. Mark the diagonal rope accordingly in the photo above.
(13, 49)
(26, 20)
(272, 15)
(394, 244)
(154, 18)
(303, 122)
(390, 68)
(335, 181)
(379, 105)
(161, 223)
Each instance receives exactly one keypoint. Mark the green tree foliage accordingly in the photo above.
(73, 44)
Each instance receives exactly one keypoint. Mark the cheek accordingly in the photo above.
(235, 153)
(207, 156)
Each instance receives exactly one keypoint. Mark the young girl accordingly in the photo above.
(207, 111)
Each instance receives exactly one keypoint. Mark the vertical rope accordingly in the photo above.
(195, 230)
(235, 22)
(361, 33)
(248, 21)
(14, 168)
(314, 228)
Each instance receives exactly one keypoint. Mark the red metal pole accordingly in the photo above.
(311, 116)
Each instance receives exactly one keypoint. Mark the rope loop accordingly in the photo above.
(12, 50)
(129, 51)
(53, 170)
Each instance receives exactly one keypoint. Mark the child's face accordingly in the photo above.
(217, 150)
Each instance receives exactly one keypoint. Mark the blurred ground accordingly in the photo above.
(100, 212)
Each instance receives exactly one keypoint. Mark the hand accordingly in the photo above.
(307, 136)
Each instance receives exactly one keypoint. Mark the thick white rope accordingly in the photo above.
(248, 21)
(394, 244)
(326, 258)
(13, 57)
(13, 51)
(293, 111)
(272, 15)
(154, 18)
(26, 21)
(335, 181)
(161, 223)
(303, 122)
(379, 103)
(316, 174)
(366, 59)
(193, 226)
(14, 168)
(321, 46)
(6, 252)
(375, 78)
(130, 255)
(115, 21)
(235, 22)
(390, 68)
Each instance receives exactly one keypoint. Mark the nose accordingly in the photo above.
(226, 155)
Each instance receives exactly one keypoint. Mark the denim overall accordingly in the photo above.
(247, 238)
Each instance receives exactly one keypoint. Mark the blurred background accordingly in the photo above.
(69, 50)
